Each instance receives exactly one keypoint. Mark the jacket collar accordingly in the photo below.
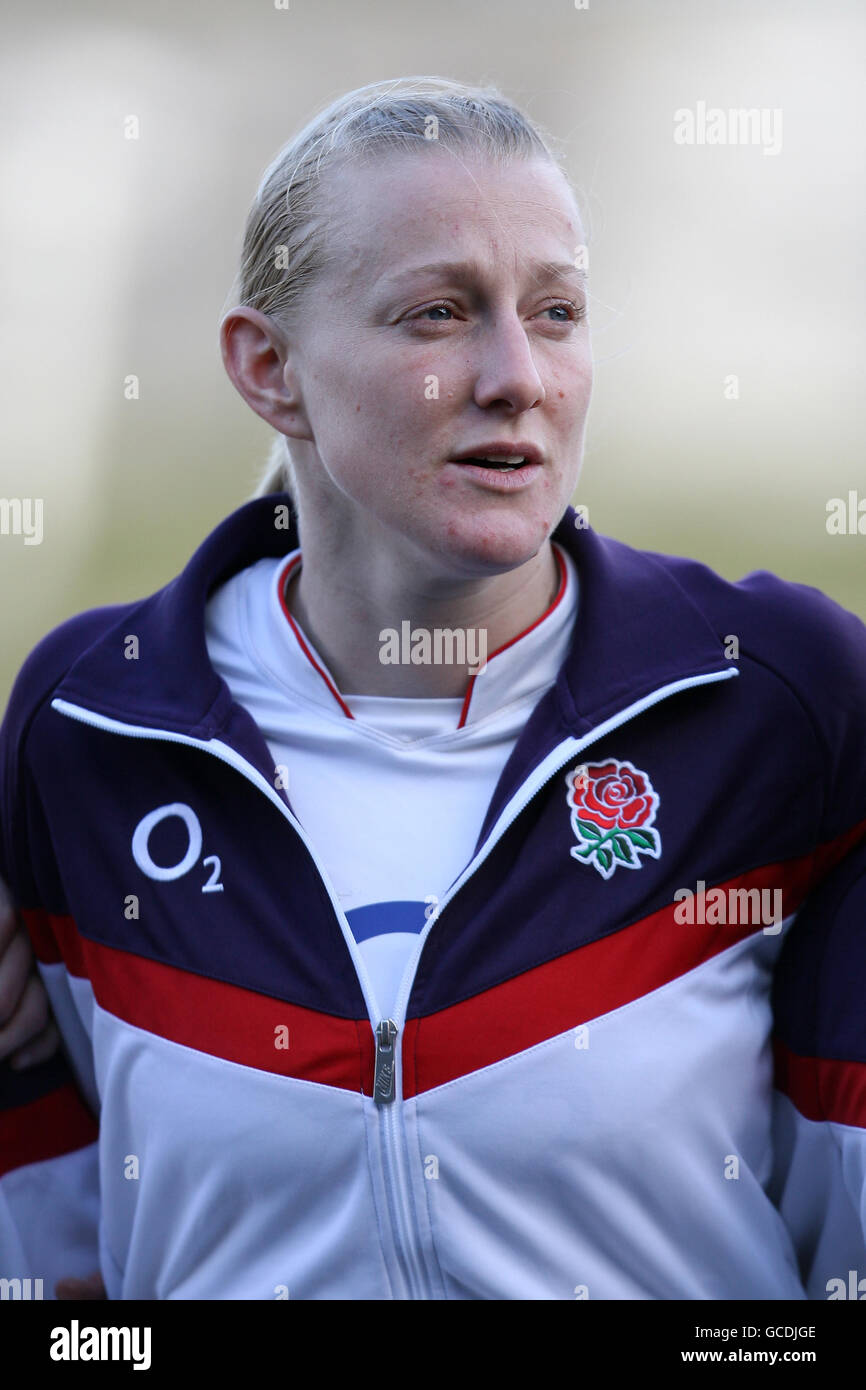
(636, 631)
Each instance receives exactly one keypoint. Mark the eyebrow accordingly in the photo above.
(466, 270)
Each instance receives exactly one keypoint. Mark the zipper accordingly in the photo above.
(558, 758)
(388, 1083)
(383, 1075)
(393, 1129)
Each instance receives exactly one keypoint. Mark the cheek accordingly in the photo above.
(399, 412)
(581, 380)
(568, 385)
(368, 454)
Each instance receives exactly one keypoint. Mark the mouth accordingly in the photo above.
(500, 457)
(498, 465)
(497, 473)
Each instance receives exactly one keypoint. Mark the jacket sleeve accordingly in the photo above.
(818, 649)
(49, 1173)
(819, 1104)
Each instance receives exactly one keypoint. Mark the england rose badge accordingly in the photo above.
(613, 806)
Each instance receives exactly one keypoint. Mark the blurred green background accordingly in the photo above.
(116, 256)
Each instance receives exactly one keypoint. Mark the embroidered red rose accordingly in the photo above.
(612, 794)
(612, 806)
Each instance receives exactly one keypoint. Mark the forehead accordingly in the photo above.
(402, 210)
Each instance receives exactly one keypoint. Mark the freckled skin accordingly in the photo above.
(390, 530)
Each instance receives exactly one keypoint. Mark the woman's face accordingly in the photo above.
(450, 321)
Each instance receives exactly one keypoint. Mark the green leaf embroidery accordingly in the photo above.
(622, 849)
(588, 830)
(646, 839)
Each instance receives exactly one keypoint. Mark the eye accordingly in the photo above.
(433, 309)
(574, 312)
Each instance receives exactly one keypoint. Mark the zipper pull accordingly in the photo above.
(383, 1075)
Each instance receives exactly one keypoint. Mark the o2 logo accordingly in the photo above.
(141, 847)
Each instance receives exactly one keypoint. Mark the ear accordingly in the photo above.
(257, 356)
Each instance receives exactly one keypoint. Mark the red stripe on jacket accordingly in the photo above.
(822, 1088)
(224, 1020)
(54, 1124)
(580, 985)
(241, 1025)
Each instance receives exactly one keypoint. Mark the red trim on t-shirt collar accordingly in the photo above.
(281, 590)
(296, 560)
(563, 580)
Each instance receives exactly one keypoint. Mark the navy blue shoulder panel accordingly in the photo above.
(820, 980)
(817, 649)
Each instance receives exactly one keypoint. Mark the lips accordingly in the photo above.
(499, 456)
(501, 465)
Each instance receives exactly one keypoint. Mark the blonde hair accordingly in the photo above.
(285, 244)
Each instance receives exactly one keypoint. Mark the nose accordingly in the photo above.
(506, 368)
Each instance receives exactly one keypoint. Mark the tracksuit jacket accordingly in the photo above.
(628, 1059)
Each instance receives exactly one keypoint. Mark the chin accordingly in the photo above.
(493, 544)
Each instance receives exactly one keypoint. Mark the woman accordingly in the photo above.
(372, 901)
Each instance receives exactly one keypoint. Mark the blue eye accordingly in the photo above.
(574, 311)
(436, 308)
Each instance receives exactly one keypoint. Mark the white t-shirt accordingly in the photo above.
(391, 792)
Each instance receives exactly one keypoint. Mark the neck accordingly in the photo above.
(349, 616)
